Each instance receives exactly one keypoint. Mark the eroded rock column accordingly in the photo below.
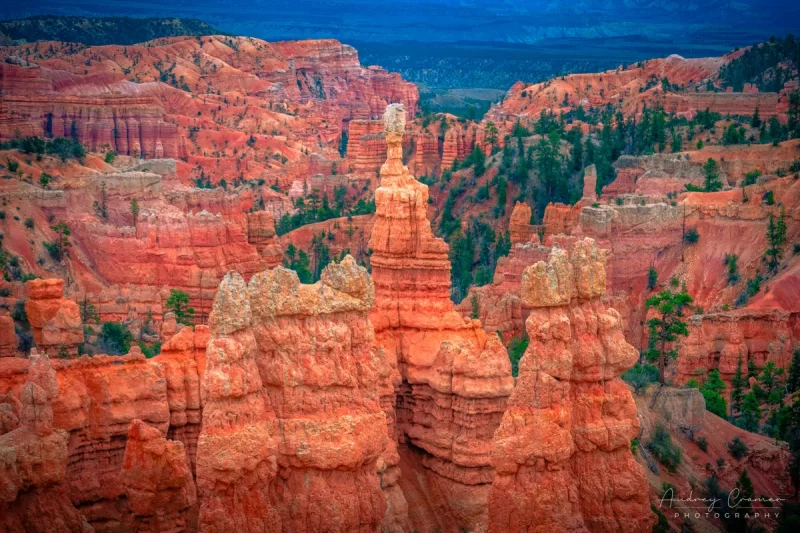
(451, 379)
(562, 453)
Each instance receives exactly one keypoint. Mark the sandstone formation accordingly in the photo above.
(261, 234)
(453, 378)
(718, 341)
(193, 250)
(358, 130)
(633, 87)
(271, 456)
(371, 153)
(158, 483)
(8, 337)
(183, 359)
(519, 225)
(426, 155)
(218, 103)
(34, 496)
(56, 321)
(562, 452)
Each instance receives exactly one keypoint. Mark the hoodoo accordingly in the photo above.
(293, 426)
(562, 452)
(452, 379)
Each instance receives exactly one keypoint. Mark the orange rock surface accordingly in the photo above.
(56, 321)
(34, 496)
(635, 86)
(719, 340)
(8, 337)
(453, 378)
(311, 460)
(261, 234)
(158, 483)
(225, 105)
(562, 452)
(183, 359)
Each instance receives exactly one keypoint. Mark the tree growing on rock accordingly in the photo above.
(793, 382)
(178, 303)
(712, 390)
(770, 377)
(114, 338)
(711, 176)
(58, 247)
(668, 326)
(751, 413)
(135, 212)
(776, 238)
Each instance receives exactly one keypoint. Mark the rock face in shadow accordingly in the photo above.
(562, 452)
(451, 380)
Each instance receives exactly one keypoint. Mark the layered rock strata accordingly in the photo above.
(261, 234)
(562, 452)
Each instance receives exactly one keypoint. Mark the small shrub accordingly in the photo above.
(663, 524)
(751, 177)
(652, 278)
(516, 349)
(53, 249)
(691, 236)
(738, 448)
(45, 179)
(110, 156)
(12, 166)
(663, 449)
(769, 198)
(29, 223)
(702, 443)
(114, 338)
(150, 350)
(640, 376)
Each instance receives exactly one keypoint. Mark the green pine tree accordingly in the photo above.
(668, 326)
(751, 413)
(178, 303)
(737, 383)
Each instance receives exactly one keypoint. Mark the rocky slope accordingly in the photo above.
(229, 107)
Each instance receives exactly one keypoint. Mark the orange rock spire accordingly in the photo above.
(452, 379)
